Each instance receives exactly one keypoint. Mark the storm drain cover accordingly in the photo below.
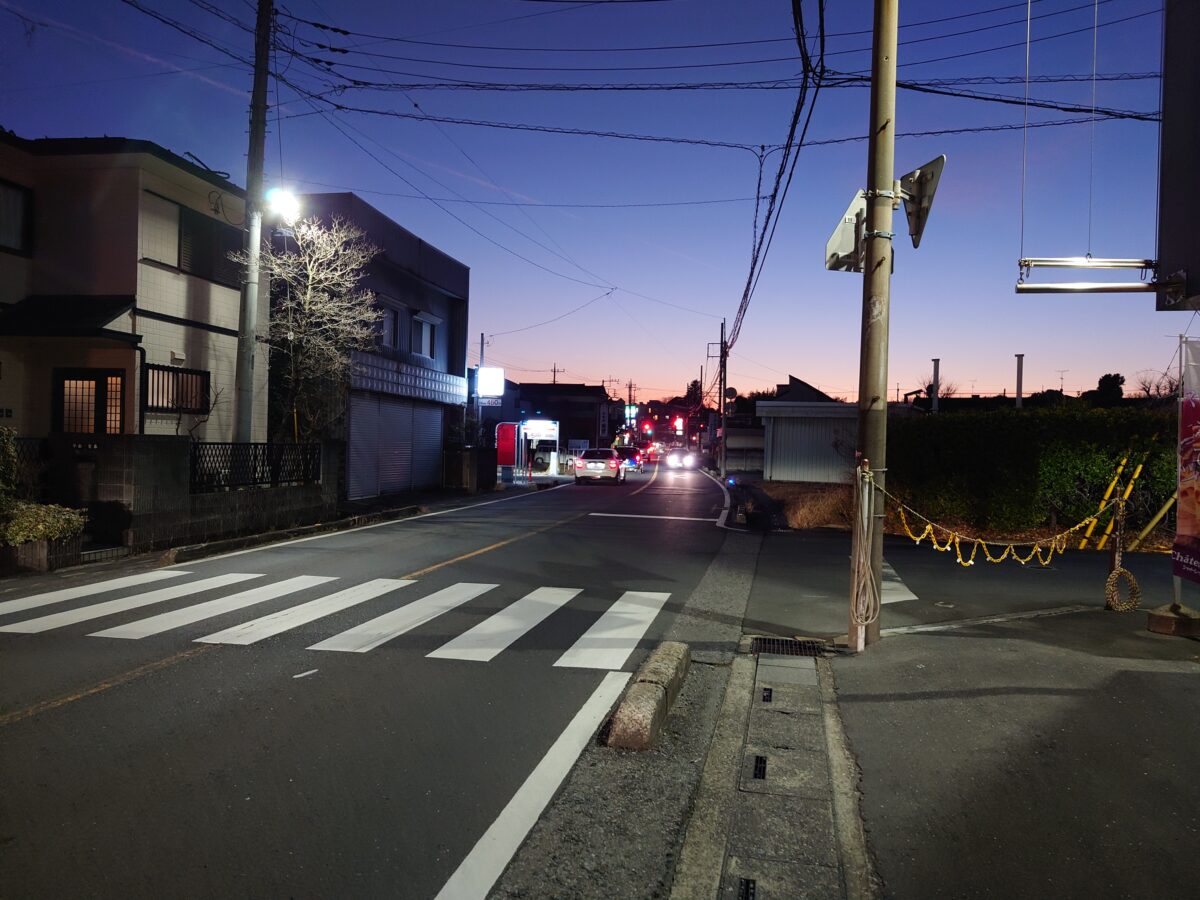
(747, 889)
(787, 646)
(760, 768)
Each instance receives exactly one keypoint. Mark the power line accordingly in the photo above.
(570, 312)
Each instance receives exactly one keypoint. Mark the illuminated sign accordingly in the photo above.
(540, 430)
(489, 381)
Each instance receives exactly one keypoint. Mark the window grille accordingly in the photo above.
(175, 390)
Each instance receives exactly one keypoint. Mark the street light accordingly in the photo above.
(284, 204)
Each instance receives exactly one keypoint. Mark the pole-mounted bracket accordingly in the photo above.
(880, 234)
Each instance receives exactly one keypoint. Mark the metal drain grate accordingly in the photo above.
(760, 768)
(767, 694)
(747, 889)
(787, 647)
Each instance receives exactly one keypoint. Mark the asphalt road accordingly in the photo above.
(285, 722)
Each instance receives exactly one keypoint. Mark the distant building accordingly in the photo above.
(581, 410)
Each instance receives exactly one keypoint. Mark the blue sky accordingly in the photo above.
(603, 213)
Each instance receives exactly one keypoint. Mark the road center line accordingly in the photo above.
(116, 681)
(637, 516)
(481, 867)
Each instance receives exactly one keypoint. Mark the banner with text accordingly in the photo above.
(1185, 556)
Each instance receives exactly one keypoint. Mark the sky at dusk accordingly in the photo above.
(659, 234)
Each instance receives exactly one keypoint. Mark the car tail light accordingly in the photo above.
(579, 463)
(612, 464)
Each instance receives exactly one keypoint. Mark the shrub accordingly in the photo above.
(8, 462)
(21, 522)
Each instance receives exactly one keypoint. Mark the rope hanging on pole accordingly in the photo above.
(865, 593)
(1112, 596)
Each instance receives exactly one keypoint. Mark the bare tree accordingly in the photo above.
(1155, 385)
(945, 388)
(319, 315)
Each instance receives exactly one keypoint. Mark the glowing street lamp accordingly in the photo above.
(284, 204)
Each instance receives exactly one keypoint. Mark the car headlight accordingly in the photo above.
(689, 460)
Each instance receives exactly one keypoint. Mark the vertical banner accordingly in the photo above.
(1185, 556)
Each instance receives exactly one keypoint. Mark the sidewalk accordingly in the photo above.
(1036, 756)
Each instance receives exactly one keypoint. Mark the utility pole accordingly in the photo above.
(936, 392)
(1061, 373)
(554, 373)
(1020, 376)
(248, 316)
(724, 356)
(881, 199)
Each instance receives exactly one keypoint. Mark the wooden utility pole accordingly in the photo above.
(248, 316)
(881, 198)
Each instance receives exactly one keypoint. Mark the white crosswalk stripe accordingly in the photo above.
(210, 608)
(616, 634)
(497, 632)
(382, 629)
(108, 608)
(287, 619)
(84, 590)
(606, 645)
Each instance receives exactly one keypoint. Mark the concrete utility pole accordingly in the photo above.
(554, 373)
(1020, 376)
(881, 198)
(724, 357)
(248, 318)
(937, 385)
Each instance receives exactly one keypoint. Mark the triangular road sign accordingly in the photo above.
(917, 188)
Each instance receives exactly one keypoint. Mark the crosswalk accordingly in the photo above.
(606, 644)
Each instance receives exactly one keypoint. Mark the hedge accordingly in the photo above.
(1015, 470)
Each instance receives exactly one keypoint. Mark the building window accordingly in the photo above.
(16, 218)
(174, 390)
(389, 328)
(424, 334)
(88, 401)
(158, 230)
(204, 248)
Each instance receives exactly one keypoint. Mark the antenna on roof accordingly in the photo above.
(202, 164)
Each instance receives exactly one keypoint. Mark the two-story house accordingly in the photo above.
(405, 394)
(118, 301)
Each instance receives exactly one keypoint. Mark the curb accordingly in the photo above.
(177, 555)
(639, 719)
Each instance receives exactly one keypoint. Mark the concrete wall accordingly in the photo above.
(137, 491)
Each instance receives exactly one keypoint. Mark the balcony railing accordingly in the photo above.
(221, 466)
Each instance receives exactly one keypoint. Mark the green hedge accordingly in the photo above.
(22, 522)
(1010, 470)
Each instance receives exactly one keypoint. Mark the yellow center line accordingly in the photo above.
(134, 674)
(107, 684)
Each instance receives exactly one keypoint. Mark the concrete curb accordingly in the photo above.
(639, 719)
(177, 555)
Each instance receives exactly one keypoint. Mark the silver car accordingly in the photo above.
(599, 464)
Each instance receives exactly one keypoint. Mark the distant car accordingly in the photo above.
(681, 458)
(631, 458)
(599, 464)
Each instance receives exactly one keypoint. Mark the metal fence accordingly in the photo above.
(31, 462)
(220, 466)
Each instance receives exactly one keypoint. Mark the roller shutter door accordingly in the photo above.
(362, 457)
(395, 445)
(426, 446)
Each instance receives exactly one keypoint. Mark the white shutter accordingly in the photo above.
(362, 456)
(395, 446)
(427, 446)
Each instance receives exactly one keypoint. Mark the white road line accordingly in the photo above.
(608, 643)
(85, 590)
(498, 632)
(989, 620)
(893, 589)
(478, 871)
(99, 610)
(725, 511)
(287, 619)
(306, 674)
(382, 629)
(637, 516)
(177, 618)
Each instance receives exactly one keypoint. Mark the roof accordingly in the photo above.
(798, 391)
(67, 315)
(104, 146)
(563, 391)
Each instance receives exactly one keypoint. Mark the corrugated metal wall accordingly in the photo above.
(362, 456)
(818, 449)
(426, 445)
(395, 446)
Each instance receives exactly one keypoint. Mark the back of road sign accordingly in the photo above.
(917, 188)
(1179, 178)
(843, 250)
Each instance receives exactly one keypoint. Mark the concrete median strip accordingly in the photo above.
(639, 719)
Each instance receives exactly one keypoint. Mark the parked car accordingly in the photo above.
(631, 458)
(681, 458)
(599, 464)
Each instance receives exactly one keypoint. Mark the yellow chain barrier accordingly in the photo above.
(1043, 551)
